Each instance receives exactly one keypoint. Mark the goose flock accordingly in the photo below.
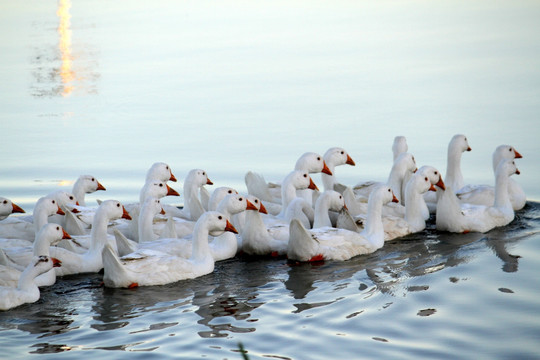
(150, 243)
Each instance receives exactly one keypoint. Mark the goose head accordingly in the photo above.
(49, 206)
(337, 156)
(43, 263)
(336, 202)
(459, 144)
(421, 183)
(312, 163)
(157, 189)
(218, 195)
(216, 223)
(52, 233)
(152, 206)
(399, 146)
(508, 167)
(300, 180)
(433, 174)
(160, 171)
(235, 203)
(8, 207)
(65, 200)
(88, 184)
(257, 204)
(383, 193)
(198, 177)
(406, 162)
(504, 152)
(114, 210)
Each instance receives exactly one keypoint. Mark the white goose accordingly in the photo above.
(7, 207)
(222, 247)
(329, 243)
(26, 291)
(334, 157)
(295, 180)
(26, 227)
(454, 216)
(403, 167)
(454, 177)
(435, 178)
(193, 207)
(414, 220)
(19, 258)
(485, 194)
(85, 184)
(90, 261)
(148, 268)
(309, 162)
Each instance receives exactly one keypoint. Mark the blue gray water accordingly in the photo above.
(108, 88)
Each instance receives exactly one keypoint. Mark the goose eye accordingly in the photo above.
(318, 158)
(203, 173)
(160, 185)
(343, 152)
(389, 190)
(71, 198)
(167, 167)
(5, 201)
(340, 197)
(436, 173)
(256, 201)
(54, 202)
(305, 175)
(240, 199)
(220, 217)
(58, 228)
(117, 205)
(230, 191)
(426, 178)
(93, 179)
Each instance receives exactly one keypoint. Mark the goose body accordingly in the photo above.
(27, 290)
(327, 243)
(149, 267)
(454, 216)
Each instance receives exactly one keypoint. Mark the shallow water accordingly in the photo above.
(108, 88)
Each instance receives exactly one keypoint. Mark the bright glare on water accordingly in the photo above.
(109, 87)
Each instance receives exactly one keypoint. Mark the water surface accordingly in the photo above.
(108, 88)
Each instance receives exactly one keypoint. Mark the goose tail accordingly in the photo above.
(115, 274)
(301, 247)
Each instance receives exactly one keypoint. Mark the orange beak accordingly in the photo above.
(518, 155)
(394, 198)
(263, 209)
(312, 185)
(66, 235)
(60, 211)
(209, 182)
(469, 148)
(171, 191)
(345, 207)
(16, 208)
(440, 183)
(230, 228)
(125, 214)
(432, 188)
(75, 211)
(100, 187)
(56, 262)
(517, 171)
(250, 206)
(172, 178)
(325, 169)
(350, 161)
(162, 212)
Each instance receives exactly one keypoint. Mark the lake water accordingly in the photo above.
(108, 88)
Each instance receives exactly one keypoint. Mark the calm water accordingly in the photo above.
(108, 88)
